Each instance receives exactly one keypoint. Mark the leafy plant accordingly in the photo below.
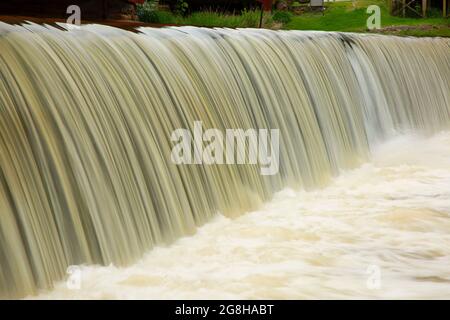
(165, 17)
(282, 17)
(147, 12)
(181, 7)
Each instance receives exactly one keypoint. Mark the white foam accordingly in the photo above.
(393, 213)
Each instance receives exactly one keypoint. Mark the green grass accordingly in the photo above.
(351, 17)
(246, 19)
(338, 16)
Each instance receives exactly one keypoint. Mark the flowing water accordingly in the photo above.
(86, 178)
(391, 216)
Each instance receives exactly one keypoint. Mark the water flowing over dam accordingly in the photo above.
(86, 117)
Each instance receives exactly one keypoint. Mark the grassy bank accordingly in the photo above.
(351, 16)
(347, 16)
(245, 19)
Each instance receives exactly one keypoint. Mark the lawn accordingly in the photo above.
(347, 16)
(351, 16)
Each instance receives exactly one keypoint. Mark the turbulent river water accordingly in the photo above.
(378, 231)
(88, 176)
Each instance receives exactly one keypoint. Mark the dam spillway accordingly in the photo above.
(86, 117)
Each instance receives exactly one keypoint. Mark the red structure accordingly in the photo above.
(267, 4)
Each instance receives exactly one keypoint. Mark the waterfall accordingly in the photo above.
(86, 117)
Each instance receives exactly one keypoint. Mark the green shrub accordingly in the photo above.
(165, 17)
(181, 7)
(147, 12)
(282, 17)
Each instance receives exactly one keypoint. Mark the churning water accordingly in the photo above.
(86, 178)
(391, 216)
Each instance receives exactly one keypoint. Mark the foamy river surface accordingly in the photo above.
(379, 231)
